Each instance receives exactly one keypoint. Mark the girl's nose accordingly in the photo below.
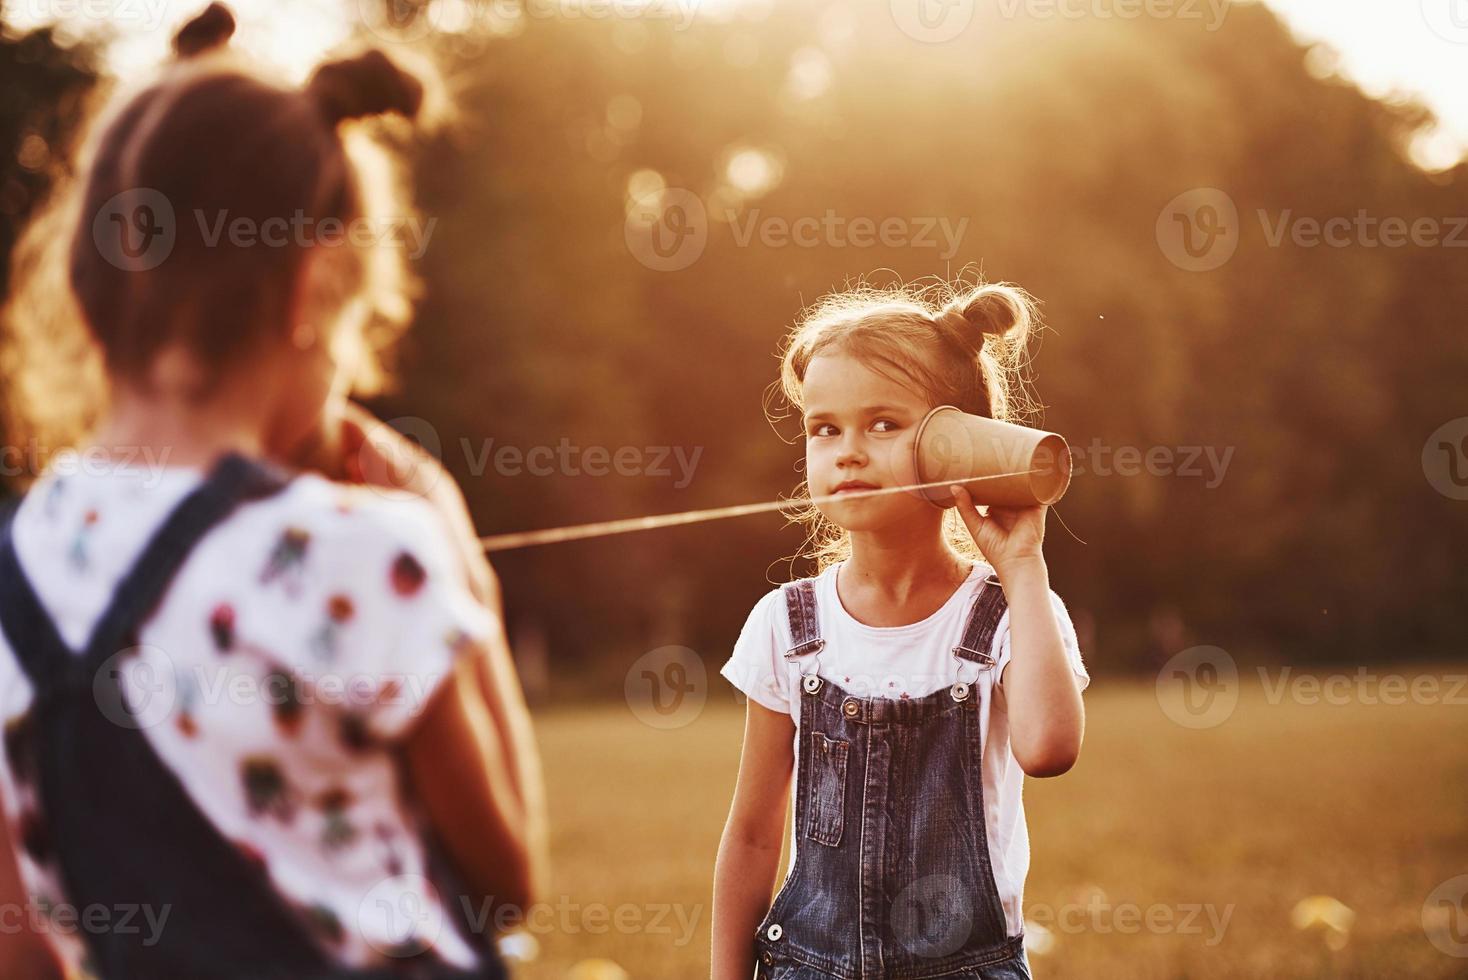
(851, 454)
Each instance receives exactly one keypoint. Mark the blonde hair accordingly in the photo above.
(958, 343)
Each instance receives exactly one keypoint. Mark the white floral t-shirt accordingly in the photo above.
(289, 656)
(908, 661)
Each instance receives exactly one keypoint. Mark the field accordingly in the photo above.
(1167, 852)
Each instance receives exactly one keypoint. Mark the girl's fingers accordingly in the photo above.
(969, 511)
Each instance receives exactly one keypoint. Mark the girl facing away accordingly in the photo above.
(260, 719)
(912, 684)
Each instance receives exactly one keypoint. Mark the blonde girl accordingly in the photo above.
(909, 686)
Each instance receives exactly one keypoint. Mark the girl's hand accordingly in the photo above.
(1008, 536)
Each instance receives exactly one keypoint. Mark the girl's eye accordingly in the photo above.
(822, 429)
(885, 425)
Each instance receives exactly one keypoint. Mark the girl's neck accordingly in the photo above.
(895, 579)
(171, 431)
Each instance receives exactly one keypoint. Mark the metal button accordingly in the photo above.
(811, 683)
(850, 708)
(774, 931)
(767, 958)
(959, 691)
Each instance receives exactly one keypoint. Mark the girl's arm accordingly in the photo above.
(1046, 717)
(749, 851)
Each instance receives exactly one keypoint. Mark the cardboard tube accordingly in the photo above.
(952, 445)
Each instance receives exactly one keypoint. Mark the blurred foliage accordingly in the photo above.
(1059, 142)
(43, 89)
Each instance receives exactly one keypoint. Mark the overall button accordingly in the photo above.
(767, 958)
(959, 691)
(849, 707)
(774, 931)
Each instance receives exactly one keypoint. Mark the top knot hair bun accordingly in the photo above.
(368, 85)
(211, 29)
(991, 310)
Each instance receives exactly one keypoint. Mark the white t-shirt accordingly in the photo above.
(905, 662)
(288, 657)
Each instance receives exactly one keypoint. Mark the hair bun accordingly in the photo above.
(368, 85)
(993, 310)
(211, 28)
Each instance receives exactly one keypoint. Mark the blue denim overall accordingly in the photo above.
(892, 876)
(119, 828)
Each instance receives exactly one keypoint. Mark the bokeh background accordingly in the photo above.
(1269, 526)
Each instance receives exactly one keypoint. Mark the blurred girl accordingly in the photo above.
(258, 722)
(911, 685)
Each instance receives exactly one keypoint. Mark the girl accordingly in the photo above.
(258, 722)
(911, 685)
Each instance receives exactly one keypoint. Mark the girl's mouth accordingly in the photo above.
(853, 485)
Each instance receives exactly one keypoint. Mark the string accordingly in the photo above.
(599, 529)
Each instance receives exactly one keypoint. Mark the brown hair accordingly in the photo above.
(960, 344)
(137, 249)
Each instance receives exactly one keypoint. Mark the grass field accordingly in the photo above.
(1212, 835)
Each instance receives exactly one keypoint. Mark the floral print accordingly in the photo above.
(318, 583)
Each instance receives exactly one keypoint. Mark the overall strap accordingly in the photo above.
(233, 480)
(29, 631)
(983, 623)
(805, 629)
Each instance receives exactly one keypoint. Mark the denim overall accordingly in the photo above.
(118, 827)
(892, 876)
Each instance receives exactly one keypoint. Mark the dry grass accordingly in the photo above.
(1366, 803)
